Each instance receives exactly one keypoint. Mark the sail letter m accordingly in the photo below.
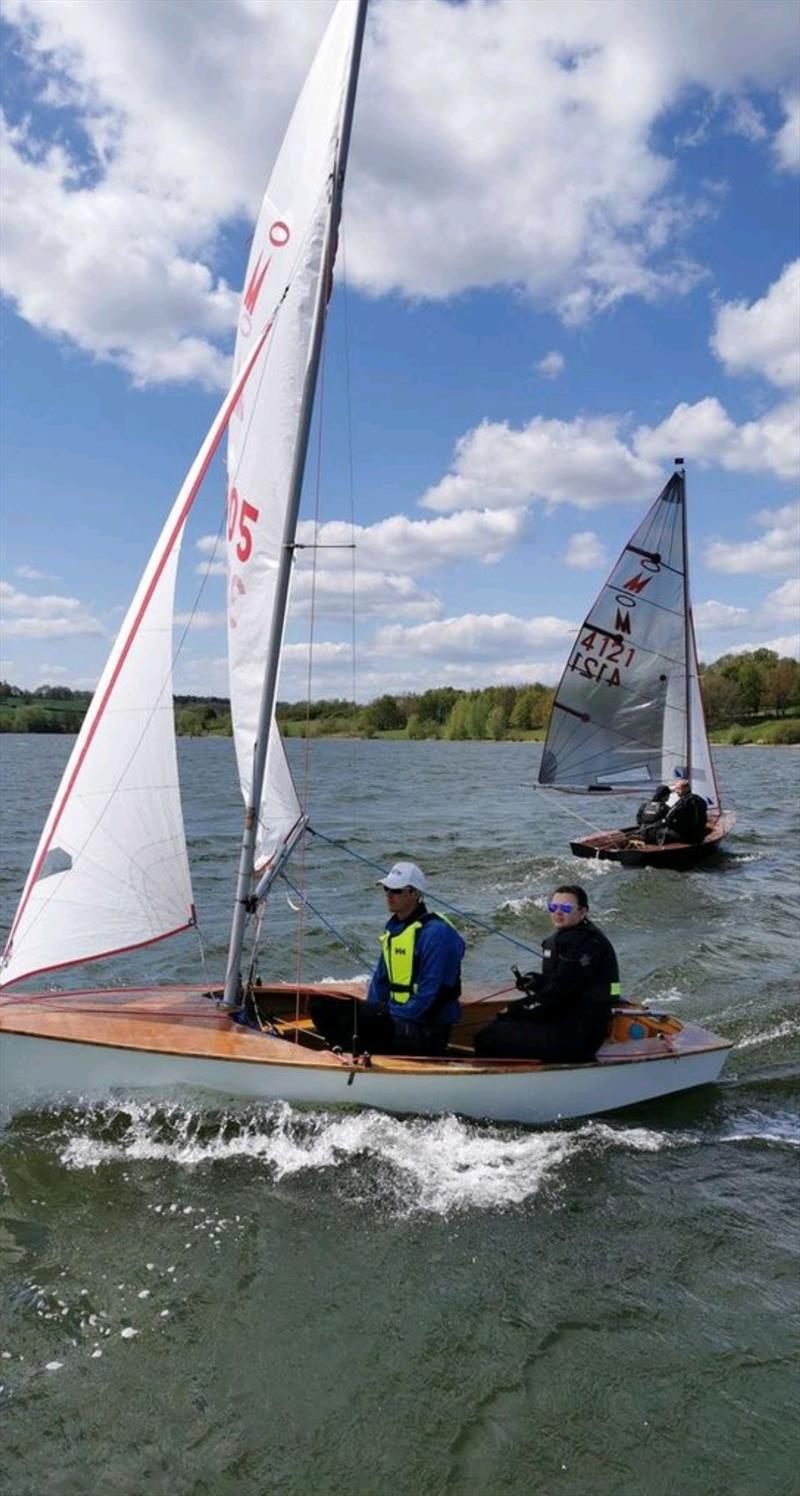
(256, 281)
(636, 584)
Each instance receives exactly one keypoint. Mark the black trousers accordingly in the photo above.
(659, 836)
(358, 1026)
(570, 1040)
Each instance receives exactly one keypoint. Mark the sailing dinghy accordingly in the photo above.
(628, 714)
(111, 871)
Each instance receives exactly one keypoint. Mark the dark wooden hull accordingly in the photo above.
(613, 846)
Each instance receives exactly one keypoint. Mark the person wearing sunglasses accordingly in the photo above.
(564, 1015)
(412, 1001)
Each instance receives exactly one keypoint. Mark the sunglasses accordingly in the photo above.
(562, 908)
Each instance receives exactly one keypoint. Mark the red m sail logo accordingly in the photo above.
(636, 584)
(256, 282)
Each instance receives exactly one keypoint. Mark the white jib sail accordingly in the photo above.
(619, 719)
(111, 871)
(281, 283)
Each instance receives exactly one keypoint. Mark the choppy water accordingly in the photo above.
(277, 1300)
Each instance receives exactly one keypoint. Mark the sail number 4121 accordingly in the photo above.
(612, 652)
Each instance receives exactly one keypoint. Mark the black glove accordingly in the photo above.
(527, 981)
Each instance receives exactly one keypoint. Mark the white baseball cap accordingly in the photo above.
(404, 875)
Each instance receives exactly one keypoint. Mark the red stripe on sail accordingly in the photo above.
(223, 419)
(119, 950)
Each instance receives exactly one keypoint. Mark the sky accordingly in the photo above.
(569, 255)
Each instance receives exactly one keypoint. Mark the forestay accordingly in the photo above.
(111, 871)
(281, 283)
(627, 714)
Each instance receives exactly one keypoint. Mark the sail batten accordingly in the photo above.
(626, 715)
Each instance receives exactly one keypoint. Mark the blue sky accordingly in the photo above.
(571, 253)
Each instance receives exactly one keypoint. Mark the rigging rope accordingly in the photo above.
(472, 919)
(354, 950)
(561, 805)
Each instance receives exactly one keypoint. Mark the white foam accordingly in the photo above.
(438, 1165)
(666, 995)
(787, 1030)
(430, 1165)
(782, 1128)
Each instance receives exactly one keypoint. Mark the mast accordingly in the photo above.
(687, 623)
(267, 705)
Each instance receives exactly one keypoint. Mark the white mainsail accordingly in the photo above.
(282, 281)
(111, 871)
(627, 713)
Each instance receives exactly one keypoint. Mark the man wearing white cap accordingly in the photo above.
(412, 1002)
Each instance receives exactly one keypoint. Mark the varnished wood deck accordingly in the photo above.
(189, 1021)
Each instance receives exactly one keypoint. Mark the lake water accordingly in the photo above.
(277, 1300)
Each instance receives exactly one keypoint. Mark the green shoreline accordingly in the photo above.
(749, 699)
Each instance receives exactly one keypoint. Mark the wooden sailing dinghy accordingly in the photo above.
(628, 712)
(111, 871)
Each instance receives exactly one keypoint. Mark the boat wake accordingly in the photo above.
(409, 1166)
(789, 1029)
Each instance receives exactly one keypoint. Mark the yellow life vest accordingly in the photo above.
(398, 958)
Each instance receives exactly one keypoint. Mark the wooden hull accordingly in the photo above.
(613, 846)
(87, 1046)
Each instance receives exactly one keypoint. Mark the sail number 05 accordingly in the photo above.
(241, 517)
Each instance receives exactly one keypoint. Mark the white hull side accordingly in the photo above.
(34, 1071)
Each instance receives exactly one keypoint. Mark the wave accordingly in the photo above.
(440, 1166)
(789, 1029)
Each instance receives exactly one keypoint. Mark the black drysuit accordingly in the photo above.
(685, 821)
(564, 1019)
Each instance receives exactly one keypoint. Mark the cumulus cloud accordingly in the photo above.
(417, 546)
(476, 637)
(712, 616)
(335, 594)
(715, 620)
(757, 338)
(777, 550)
(585, 550)
(381, 572)
(784, 645)
(787, 140)
(47, 617)
(551, 365)
(706, 434)
(31, 574)
(763, 337)
(128, 199)
(784, 602)
(583, 462)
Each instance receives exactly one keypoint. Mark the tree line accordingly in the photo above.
(737, 688)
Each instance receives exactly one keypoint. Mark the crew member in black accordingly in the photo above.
(685, 818)
(652, 812)
(564, 1016)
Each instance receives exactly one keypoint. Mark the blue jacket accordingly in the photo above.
(438, 953)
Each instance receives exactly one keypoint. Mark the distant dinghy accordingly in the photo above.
(628, 713)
